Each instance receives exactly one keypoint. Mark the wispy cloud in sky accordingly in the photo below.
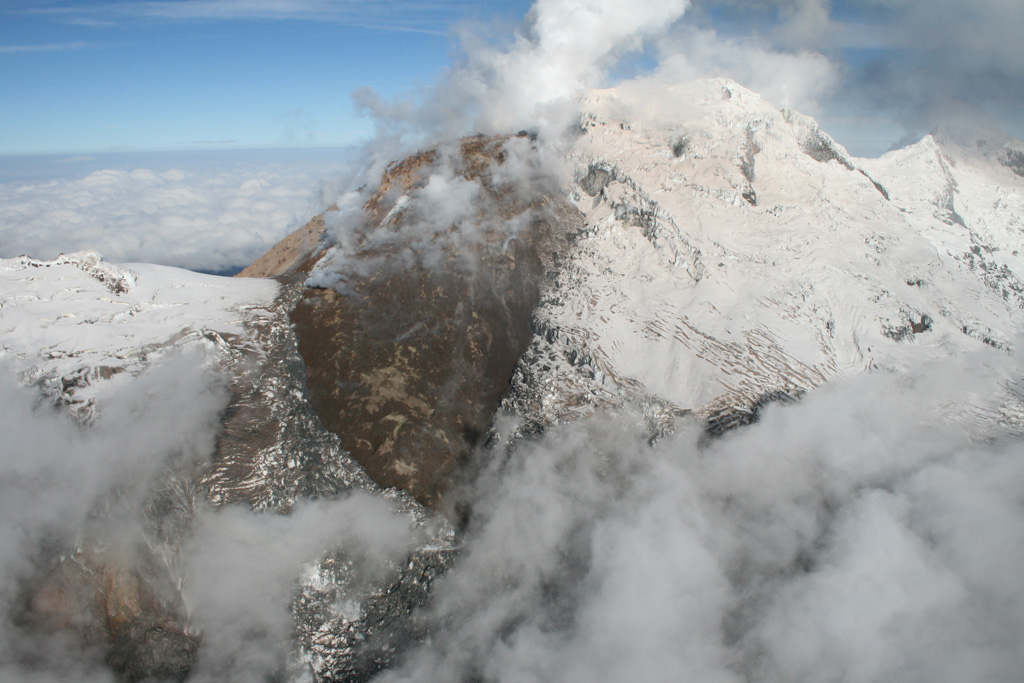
(924, 62)
(391, 15)
(47, 47)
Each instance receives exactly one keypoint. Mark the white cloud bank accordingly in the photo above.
(860, 535)
(207, 218)
(64, 486)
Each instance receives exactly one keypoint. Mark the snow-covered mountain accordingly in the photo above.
(540, 341)
(734, 252)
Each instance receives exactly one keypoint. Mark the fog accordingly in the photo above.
(243, 568)
(200, 212)
(870, 531)
(67, 489)
(63, 486)
(862, 534)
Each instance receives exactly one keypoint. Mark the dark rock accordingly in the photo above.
(408, 362)
(1014, 160)
(922, 325)
(736, 416)
(878, 186)
(596, 180)
(680, 146)
(914, 323)
(821, 148)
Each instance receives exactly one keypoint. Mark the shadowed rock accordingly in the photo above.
(409, 356)
(116, 602)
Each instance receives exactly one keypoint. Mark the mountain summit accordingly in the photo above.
(692, 393)
(716, 253)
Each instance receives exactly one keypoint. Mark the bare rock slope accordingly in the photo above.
(700, 253)
(413, 344)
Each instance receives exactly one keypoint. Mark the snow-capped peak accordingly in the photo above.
(734, 251)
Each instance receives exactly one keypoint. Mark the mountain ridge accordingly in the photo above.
(684, 260)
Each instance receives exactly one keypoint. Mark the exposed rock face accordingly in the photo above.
(410, 353)
(291, 254)
(114, 601)
(273, 452)
(273, 449)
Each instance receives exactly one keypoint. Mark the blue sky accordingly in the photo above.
(84, 76)
(103, 76)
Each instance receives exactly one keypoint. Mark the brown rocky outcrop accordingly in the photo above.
(290, 254)
(405, 362)
(408, 358)
(114, 602)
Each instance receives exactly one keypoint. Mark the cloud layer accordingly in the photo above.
(860, 535)
(211, 219)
